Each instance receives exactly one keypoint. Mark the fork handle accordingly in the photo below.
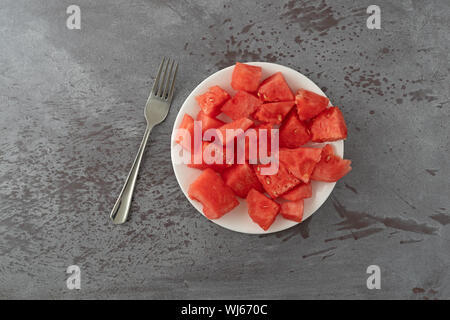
(121, 209)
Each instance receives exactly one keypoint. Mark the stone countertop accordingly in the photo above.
(71, 120)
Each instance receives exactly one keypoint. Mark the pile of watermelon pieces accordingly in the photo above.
(270, 104)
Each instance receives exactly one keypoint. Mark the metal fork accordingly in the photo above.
(156, 109)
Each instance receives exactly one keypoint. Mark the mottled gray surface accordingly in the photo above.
(71, 120)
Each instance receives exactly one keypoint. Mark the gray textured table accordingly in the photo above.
(71, 120)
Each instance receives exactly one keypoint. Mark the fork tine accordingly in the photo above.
(167, 83)
(163, 80)
(169, 97)
(155, 84)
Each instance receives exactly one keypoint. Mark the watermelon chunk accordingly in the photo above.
(328, 126)
(241, 179)
(243, 123)
(246, 77)
(300, 162)
(186, 137)
(216, 197)
(274, 112)
(302, 191)
(242, 105)
(208, 122)
(292, 210)
(309, 104)
(293, 132)
(275, 88)
(261, 209)
(277, 184)
(211, 101)
(331, 167)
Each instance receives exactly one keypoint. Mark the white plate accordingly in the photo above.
(238, 219)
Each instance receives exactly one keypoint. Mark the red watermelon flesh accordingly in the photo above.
(275, 88)
(331, 167)
(278, 183)
(309, 104)
(243, 123)
(328, 126)
(208, 122)
(292, 210)
(186, 137)
(208, 154)
(274, 112)
(211, 101)
(261, 209)
(246, 77)
(293, 132)
(242, 105)
(300, 162)
(216, 197)
(302, 191)
(241, 179)
(259, 142)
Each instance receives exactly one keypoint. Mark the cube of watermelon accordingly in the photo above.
(328, 126)
(243, 123)
(275, 88)
(185, 135)
(292, 210)
(300, 162)
(216, 197)
(261, 209)
(242, 105)
(246, 77)
(293, 132)
(278, 183)
(274, 112)
(211, 101)
(241, 179)
(302, 191)
(309, 104)
(331, 167)
(208, 122)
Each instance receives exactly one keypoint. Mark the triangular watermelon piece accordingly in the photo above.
(331, 167)
(328, 126)
(302, 191)
(300, 162)
(274, 112)
(293, 132)
(241, 179)
(261, 209)
(278, 183)
(216, 197)
(211, 101)
(246, 77)
(292, 210)
(309, 104)
(242, 105)
(275, 88)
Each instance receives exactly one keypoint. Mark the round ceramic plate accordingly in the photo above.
(238, 219)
